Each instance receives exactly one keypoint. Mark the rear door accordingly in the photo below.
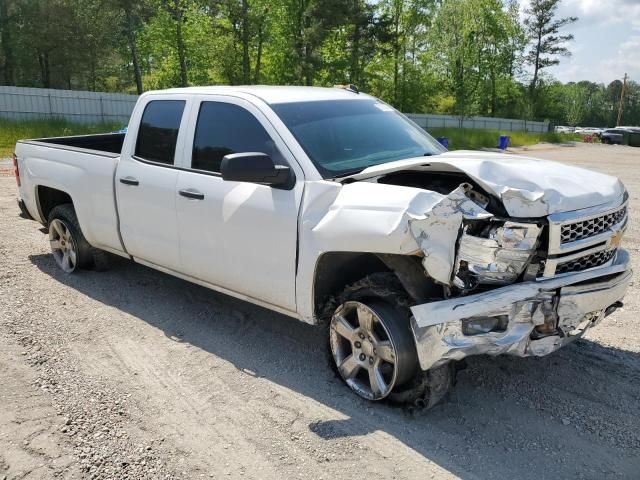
(146, 181)
(236, 235)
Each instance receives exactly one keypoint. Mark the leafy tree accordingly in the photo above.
(475, 42)
(133, 13)
(462, 57)
(455, 52)
(501, 39)
(547, 44)
(576, 103)
(7, 45)
(176, 10)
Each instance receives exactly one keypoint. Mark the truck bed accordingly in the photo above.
(82, 167)
(108, 143)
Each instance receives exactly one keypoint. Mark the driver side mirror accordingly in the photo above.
(255, 167)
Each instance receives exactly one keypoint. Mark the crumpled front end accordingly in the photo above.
(465, 246)
(524, 287)
(531, 318)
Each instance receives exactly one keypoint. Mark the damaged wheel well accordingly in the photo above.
(335, 270)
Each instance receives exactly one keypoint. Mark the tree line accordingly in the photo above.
(461, 57)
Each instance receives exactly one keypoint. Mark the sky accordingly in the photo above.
(606, 44)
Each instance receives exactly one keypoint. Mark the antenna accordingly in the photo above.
(350, 87)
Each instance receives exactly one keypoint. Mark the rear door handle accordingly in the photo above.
(130, 181)
(192, 194)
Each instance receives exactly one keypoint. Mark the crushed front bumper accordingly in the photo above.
(574, 302)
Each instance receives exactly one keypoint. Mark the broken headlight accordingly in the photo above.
(497, 255)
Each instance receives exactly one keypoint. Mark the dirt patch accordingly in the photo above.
(135, 374)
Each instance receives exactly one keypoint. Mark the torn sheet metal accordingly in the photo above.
(438, 326)
(501, 258)
(370, 217)
(356, 217)
(437, 233)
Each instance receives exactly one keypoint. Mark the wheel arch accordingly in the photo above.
(47, 198)
(336, 270)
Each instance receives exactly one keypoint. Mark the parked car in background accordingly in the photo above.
(563, 129)
(612, 136)
(588, 131)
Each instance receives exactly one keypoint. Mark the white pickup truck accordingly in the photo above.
(331, 207)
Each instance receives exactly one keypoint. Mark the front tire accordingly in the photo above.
(371, 350)
(382, 296)
(371, 346)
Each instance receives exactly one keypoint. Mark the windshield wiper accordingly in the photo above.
(344, 175)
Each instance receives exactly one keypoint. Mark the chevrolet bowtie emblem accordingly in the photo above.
(616, 239)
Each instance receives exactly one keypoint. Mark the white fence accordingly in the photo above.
(94, 107)
(429, 121)
(19, 103)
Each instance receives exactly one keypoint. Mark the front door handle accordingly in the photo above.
(192, 194)
(130, 181)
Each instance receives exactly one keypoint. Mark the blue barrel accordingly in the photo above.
(503, 142)
(444, 141)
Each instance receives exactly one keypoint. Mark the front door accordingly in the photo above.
(236, 235)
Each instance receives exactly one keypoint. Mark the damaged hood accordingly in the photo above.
(527, 187)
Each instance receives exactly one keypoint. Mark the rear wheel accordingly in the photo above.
(70, 249)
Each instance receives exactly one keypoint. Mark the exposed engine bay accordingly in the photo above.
(490, 248)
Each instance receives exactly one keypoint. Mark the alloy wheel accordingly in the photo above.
(63, 245)
(363, 350)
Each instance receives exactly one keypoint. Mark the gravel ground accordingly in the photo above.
(134, 374)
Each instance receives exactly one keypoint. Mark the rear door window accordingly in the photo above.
(158, 131)
(225, 128)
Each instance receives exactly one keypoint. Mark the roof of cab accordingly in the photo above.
(274, 94)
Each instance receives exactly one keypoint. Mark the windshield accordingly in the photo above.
(342, 137)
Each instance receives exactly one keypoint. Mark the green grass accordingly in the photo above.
(12, 131)
(474, 139)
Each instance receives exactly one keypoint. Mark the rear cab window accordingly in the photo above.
(158, 132)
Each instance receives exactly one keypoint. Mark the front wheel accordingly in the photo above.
(371, 350)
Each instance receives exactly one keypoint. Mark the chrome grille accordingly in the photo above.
(572, 232)
(588, 261)
(584, 239)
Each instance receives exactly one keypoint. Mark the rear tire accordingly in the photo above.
(70, 249)
(63, 222)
